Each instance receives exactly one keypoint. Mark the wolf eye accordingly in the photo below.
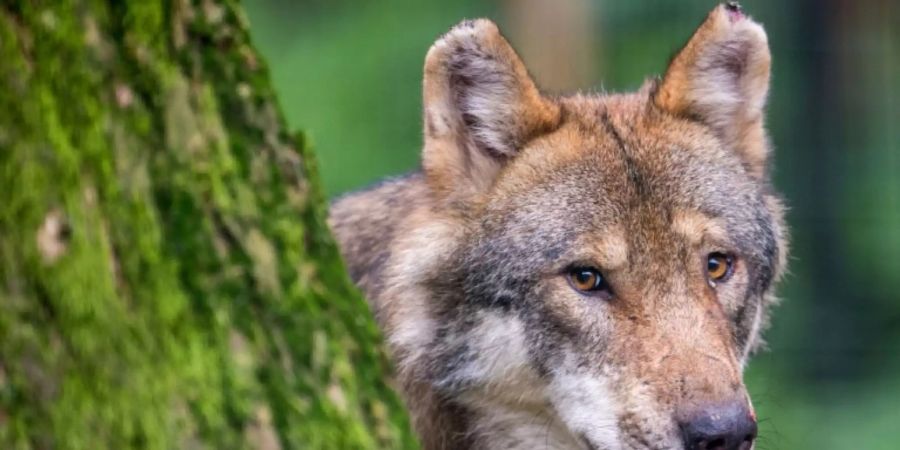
(719, 267)
(587, 280)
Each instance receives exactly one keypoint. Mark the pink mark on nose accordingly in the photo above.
(735, 12)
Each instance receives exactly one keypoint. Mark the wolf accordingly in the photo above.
(578, 272)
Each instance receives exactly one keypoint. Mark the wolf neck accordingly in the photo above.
(518, 429)
(488, 426)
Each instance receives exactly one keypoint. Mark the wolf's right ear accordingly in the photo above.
(721, 78)
(480, 107)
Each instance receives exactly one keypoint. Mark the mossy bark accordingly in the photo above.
(167, 277)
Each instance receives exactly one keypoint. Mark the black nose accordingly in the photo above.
(723, 427)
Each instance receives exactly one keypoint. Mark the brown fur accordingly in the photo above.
(465, 262)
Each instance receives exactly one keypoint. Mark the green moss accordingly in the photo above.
(199, 300)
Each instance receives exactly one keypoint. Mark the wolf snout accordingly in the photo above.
(729, 426)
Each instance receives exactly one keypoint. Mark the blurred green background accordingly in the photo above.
(348, 73)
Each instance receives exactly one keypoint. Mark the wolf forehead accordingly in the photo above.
(616, 176)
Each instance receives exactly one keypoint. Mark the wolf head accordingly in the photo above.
(592, 271)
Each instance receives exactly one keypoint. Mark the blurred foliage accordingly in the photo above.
(350, 73)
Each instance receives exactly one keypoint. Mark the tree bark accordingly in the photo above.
(167, 277)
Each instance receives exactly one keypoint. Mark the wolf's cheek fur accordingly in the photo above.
(491, 359)
(521, 375)
(587, 403)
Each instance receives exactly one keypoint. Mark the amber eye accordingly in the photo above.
(587, 280)
(719, 267)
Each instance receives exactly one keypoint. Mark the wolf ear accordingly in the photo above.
(721, 77)
(480, 107)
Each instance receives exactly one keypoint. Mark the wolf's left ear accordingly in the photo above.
(721, 77)
(480, 108)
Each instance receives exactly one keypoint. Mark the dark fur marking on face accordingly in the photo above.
(429, 124)
(744, 321)
(586, 442)
(634, 175)
(454, 361)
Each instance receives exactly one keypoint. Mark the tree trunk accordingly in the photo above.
(167, 277)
